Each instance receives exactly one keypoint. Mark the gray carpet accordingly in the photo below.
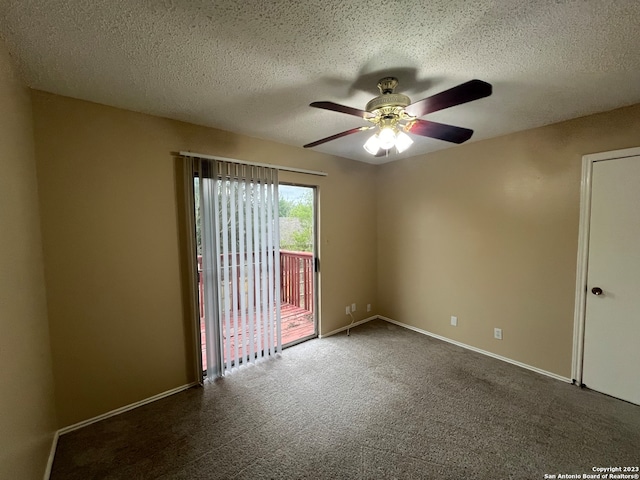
(383, 403)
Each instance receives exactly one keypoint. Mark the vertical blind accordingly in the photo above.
(240, 262)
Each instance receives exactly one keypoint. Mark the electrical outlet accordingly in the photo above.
(454, 321)
(368, 307)
(348, 309)
(353, 307)
(497, 333)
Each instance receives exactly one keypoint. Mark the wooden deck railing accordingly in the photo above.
(296, 279)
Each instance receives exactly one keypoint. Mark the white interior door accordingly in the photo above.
(611, 362)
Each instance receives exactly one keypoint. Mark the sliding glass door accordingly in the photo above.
(297, 212)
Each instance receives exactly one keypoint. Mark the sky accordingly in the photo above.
(292, 193)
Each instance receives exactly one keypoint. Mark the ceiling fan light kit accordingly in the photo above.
(386, 139)
(393, 114)
(403, 141)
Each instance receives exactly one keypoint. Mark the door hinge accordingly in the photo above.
(316, 264)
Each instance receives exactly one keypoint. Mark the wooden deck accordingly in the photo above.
(297, 323)
(296, 294)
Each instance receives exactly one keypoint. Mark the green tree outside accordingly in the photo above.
(302, 210)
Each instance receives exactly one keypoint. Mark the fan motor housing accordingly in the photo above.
(387, 100)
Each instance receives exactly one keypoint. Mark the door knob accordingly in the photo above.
(596, 291)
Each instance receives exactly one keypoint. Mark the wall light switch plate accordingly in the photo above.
(454, 321)
(497, 333)
(353, 307)
(368, 307)
(348, 309)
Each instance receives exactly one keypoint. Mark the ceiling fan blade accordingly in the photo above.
(463, 93)
(441, 131)
(337, 135)
(336, 107)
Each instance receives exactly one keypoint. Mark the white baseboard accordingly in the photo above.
(342, 329)
(126, 408)
(52, 454)
(484, 352)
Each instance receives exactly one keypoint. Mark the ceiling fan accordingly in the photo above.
(393, 114)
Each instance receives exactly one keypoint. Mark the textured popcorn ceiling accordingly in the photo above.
(253, 66)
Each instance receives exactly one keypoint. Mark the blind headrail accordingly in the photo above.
(254, 164)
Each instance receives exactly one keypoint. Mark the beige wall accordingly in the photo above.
(27, 417)
(110, 220)
(488, 232)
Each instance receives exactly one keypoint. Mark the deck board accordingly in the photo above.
(297, 323)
